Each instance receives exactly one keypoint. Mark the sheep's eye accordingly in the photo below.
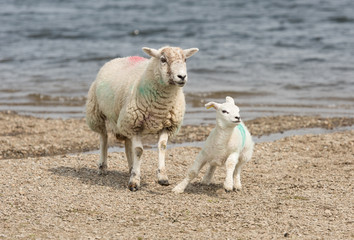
(224, 111)
(163, 60)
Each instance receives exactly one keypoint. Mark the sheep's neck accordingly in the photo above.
(153, 89)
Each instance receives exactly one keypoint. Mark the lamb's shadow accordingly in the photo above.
(114, 179)
(210, 190)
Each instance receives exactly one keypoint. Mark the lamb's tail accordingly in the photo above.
(94, 117)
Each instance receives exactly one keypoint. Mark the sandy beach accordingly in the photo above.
(297, 187)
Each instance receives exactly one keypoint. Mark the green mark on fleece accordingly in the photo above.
(104, 90)
(243, 133)
(147, 90)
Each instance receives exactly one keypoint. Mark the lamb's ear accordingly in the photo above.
(212, 104)
(190, 51)
(230, 100)
(151, 52)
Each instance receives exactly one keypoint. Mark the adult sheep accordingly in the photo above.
(134, 96)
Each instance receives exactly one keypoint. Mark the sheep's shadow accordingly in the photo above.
(113, 179)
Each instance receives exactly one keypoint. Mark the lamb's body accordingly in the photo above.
(221, 143)
(133, 97)
(229, 144)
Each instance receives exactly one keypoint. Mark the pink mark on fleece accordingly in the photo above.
(135, 59)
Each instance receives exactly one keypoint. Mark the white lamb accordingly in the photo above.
(134, 96)
(229, 143)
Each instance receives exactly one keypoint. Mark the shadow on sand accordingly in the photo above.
(113, 179)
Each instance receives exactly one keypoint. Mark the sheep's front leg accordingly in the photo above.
(161, 171)
(102, 165)
(230, 168)
(128, 153)
(136, 152)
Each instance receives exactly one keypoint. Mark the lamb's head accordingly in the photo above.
(227, 114)
(171, 63)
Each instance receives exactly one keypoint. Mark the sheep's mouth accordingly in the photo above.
(236, 121)
(181, 84)
(178, 83)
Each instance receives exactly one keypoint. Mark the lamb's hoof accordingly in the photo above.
(228, 189)
(163, 182)
(204, 182)
(177, 190)
(133, 187)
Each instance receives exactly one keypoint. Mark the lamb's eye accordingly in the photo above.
(224, 111)
(163, 60)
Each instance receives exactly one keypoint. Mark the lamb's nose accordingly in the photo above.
(182, 77)
(237, 118)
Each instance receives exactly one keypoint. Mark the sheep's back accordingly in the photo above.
(115, 83)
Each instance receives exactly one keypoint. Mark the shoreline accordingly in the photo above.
(28, 136)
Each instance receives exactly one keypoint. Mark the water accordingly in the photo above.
(274, 57)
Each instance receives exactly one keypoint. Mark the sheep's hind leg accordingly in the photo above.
(161, 171)
(136, 152)
(102, 164)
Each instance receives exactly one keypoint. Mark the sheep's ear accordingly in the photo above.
(189, 52)
(230, 100)
(212, 105)
(151, 52)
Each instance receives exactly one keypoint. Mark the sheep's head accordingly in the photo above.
(172, 63)
(228, 114)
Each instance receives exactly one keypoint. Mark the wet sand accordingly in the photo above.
(298, 187)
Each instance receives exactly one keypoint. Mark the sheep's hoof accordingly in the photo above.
(133, 187)
(163, 182)
(102, 170)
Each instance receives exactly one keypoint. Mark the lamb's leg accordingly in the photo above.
(230, 168)
(102, 165)
(209, 175)
(237, 175)
(136, 152)
(245, 156)
(161, 172)
(192, 173)
(128, 153)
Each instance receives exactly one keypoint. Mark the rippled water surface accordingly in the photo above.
(273, 57)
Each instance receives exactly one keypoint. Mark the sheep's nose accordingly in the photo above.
(182, 77)
(237, 118)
